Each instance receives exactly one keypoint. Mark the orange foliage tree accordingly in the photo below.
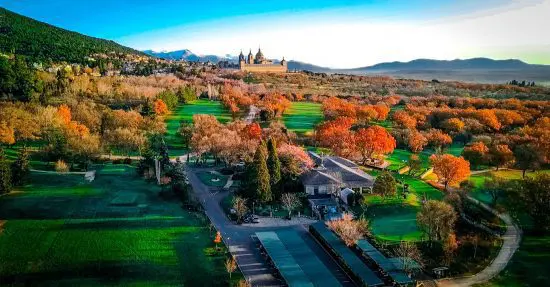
(373, 141)
(336, 135)
(416, 141)
(438, 138)
(450, 169)
(160, 108)
(476, 153)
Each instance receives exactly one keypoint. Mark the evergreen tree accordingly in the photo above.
(5, 174)
(20, 168)
(385, 185)
(257, 185)
(273, 164)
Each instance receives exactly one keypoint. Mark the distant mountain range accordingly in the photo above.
(187, 55)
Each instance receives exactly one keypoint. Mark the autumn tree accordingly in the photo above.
(160, 108)
(450, 245)
(501, 155)
(239, 205)
(348, 229)
(437, 138)
(7, 134)
(436, 219)
(385, 185)
(290, 202)
(476, 153)
(408, 255)
(403, 119)
(230, 266)
(294, 161)
(453, 125)
(373, 141)
(450, 169)
(416, 141)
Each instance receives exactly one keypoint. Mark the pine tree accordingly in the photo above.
(5, 174)
(20, 168)
(273, 164)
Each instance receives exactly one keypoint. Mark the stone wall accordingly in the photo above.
(268, 68)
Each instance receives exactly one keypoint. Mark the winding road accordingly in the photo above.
(511, 240)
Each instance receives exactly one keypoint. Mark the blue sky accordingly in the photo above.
(346, 33)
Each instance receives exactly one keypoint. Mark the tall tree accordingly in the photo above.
(273, 164)
(476, 153)
(450, 169)
(374, 141)
(5, 173)
(534, 195)
(385, 185)
(20, 168)
(258, 179)
(436, 219)
(527, 157)
(501, 155)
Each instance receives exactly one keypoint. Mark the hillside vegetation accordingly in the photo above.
(43, 42)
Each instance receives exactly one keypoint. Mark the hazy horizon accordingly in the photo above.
(335, 34)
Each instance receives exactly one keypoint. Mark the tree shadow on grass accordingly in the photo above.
(98, 273)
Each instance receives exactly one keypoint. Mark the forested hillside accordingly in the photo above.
(43, 42)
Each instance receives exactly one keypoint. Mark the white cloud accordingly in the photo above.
(347, 39)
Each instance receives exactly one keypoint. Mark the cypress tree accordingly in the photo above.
(273, 164)
(261, 178)
(5, 174)
(20, 168)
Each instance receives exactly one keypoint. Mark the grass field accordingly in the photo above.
(479, 181)
(528, 267)
(67, 232)
(394, 219)
(303, 116)
(400, 157)
(184, 113)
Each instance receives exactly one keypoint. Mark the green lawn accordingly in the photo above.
(302, 117)
(394, 219)
(479, 181)
(400, 157)
(185, 113)
(64, 231)
(528, 267)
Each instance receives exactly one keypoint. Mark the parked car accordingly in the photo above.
(251, 218)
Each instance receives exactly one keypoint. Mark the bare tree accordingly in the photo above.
(436, 219)
(349, 230)
(230, 266)
(239, 205)
(408, 255)
(290, 202)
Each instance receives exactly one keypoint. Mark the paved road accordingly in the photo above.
(511, 240)
(241, 244)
